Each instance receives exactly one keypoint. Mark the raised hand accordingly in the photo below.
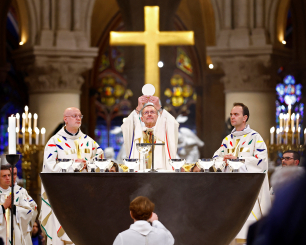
(155, 101)
(141, 101)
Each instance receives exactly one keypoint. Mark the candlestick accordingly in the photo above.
(277, 136)
(30, 136)
(299, 135)
(281, 135)
(17, 136)
(18, 120)
(23, 120)
(293, 132)
(272, 135)
(43, 132)
(37, 136)
(287, 129)
(30, 118)
(12, 135)
(297, 120)
(292, 120)
(26, 109)
(289, 111)
(35, 120)
(23, 135)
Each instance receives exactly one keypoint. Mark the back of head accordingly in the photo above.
(141, 208)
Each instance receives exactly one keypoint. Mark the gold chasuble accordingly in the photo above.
(147, 138)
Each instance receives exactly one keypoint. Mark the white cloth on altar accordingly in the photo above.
(63, 146)
(142, 233)
(25, 213)
(165, 131)
(251, 148)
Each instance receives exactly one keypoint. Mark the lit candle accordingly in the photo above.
(17, 135)
(305, 136)
(30, 118)
(281, 116)
(293, 132)
(23, 119)
(26, 109)
(297, 118)
(272, 130)
(37, 136)
(12, 135)
(299, 136)
(23, 135)
(277, 136)
(18, 120)
(30, 136)
(43, 132)
(292, 120)
(289, 111)
(281, 135)
(35, 121)
(287, 129)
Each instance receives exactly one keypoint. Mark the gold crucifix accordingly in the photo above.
(151, 38)
(236, 149)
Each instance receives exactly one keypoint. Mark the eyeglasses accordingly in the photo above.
(149, 112)
(75, 116)
(286, 158)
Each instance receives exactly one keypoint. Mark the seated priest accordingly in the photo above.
(245, 143)
(67, 144)
(142, 232)
(148, 119)
(22, 210)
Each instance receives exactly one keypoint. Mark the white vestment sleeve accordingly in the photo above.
(118, 240)
(50, 158)
(1, 215)
(159, 225)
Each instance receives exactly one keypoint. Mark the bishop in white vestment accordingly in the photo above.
(158, 122)
(245, 143)
(68, 143)
(23, 210)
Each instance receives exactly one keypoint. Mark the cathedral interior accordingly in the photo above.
(56, 54)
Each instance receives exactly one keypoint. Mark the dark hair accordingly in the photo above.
(142, 208)
(116, 167)
(6, 167)
(296, 155)
(245, 109)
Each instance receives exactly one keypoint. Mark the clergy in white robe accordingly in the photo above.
(150, 118)
(68, 143)
(142, 232)
(23, 210)
(245, 143)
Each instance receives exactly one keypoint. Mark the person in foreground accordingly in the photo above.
(141, 232)
(247, 144)
(148, 119)
(68, 143)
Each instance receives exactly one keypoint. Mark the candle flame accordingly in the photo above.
(292, 116)
(30, 115)
(17, 115)
(287, 129)
(305, 131)
(35, 116)
(23, 115)
(36, 130)
(272, 130)
(281, 116)
(299, 129)
(26, 108)
(30, 130)
(23, 130)
(297, 116)
(277, 131)
(43, 130)
(293, 129)
(289, 106)
(17, 130)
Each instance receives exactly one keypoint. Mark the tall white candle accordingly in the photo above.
(277, 136)
(26, 109)
(272, 130)
(281, 132)
(37, 136)
(289, 112)
(43, 133)
(18, 120)
(30, 136)
(292, 120)
(23, 135)
(35, 121)
(305, 136)
(17, 135)
(23, 120)
(12, 135)
(297, 120)
(30, 118)
(287, 129)
(293, 134)
(299, 136)
(281, 120)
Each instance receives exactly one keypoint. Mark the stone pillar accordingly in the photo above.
(248, 80)
(259, 36)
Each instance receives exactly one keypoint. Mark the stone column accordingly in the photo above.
(259, 36)
(248, 80)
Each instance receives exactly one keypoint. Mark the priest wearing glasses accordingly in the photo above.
(67, 144)
(148, 119)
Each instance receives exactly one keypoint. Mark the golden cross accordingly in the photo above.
(151, 38)
(236, 149)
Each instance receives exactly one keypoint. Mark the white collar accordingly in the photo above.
(5, 190)
(246, 130)
(141, 226)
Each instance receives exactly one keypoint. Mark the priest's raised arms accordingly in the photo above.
(148, 119)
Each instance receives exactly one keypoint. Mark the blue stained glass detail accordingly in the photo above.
(280, 89)
(289, 79)
(290, 99)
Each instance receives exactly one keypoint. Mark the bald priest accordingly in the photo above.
(148, 119)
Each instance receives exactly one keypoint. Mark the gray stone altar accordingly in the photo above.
(197, 208)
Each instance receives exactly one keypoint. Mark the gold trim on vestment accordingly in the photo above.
(77, 147)
(69, 152)
(44, 195)
(61, 232)
(44, 222)
(87, 150)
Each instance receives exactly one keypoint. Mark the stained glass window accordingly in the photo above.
(289, 93)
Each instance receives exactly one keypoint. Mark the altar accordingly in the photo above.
(197, 208)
